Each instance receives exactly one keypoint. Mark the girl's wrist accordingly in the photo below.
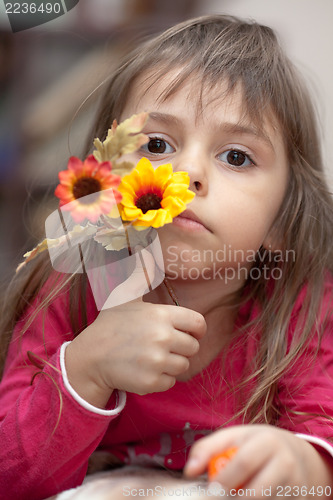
(77, 370)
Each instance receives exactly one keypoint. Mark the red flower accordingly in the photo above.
(88, 189)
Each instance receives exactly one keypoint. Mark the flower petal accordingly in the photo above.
(75, 164)
(171, 188)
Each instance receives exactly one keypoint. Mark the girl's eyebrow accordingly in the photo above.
(227, 127)
(238, 128)
(165, 118)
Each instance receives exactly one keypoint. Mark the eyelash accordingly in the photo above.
(228, 151)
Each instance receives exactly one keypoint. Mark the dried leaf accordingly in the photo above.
(40, 248)
(77, 235)
(123, 168)
(122, 139)
(126, 236)
(112, 239)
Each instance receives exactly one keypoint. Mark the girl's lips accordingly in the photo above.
(188, 220)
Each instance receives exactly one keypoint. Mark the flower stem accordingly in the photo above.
(171, 292)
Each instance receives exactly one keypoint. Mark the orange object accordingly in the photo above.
(219, 461)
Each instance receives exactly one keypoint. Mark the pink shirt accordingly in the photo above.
(42, 453)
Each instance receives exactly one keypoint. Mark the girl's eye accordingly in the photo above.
(156, 145)
(236, 158)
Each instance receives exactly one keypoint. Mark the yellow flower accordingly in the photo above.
(153, 197)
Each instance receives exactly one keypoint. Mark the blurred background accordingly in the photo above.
(47, 73)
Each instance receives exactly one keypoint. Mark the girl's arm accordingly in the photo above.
(46, 435)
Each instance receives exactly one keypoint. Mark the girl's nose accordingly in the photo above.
(196, 167)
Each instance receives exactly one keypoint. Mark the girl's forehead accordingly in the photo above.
(204, 100)
(192, 91)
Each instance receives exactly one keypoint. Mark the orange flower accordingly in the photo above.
(88, 189)
(219, 461)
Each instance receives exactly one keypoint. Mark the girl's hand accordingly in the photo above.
(269, 460)
(136, 347)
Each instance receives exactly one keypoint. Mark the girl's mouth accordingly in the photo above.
(188, 220)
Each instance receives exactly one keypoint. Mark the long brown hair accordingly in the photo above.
(225, 49)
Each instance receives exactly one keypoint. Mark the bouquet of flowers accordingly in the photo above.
(113, 203)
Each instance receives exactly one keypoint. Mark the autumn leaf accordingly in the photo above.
(40, 248)
(122, 168)
(76, 236)
(122, 139)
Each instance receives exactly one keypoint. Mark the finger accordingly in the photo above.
(250, 458)
(266, 482)
(138, 284)
(165, 383)
(206, 448)
(184, 344)
(188, 321)
(176, 365)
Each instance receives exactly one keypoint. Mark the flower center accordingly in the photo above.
(86, 186)
(148, 201)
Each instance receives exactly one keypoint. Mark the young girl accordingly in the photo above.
(246, 359)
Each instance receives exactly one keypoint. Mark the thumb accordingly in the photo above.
(138, 284)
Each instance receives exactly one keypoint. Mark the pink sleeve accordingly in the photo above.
(46, 435)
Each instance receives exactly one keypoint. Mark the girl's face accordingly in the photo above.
(239, 175)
